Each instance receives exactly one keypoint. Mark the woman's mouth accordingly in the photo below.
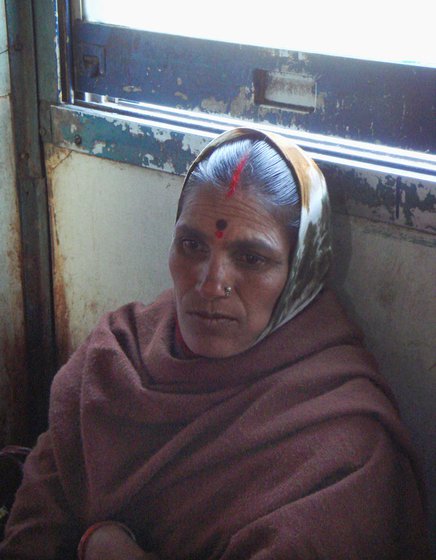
(212, 319)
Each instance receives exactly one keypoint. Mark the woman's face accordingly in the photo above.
(222, 241)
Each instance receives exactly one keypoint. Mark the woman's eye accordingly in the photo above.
(191, 246)
(252, 260)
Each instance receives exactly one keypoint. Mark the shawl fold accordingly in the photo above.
(290, 450)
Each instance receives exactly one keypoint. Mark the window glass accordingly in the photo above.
(382, 30)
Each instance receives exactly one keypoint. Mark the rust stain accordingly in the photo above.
(15, 428)
(14, 425)
(61, 309)
(55, 156)
(14, 389)
(14, 254)
(93, 307)
(62, 314)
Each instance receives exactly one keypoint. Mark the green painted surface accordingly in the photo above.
(384, 196)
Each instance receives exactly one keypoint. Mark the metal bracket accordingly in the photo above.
(286, 90)
(91, 60)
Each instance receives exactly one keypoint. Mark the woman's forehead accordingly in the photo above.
(210, 204)
(213, 217)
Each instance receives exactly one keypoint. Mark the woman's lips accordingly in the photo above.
(211, 319)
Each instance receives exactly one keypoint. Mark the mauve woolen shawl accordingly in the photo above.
(290, 450)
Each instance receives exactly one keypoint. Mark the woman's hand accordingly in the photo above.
(112, 542)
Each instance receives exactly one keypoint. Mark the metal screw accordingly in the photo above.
(78, 140)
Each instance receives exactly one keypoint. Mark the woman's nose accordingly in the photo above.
(213, 278)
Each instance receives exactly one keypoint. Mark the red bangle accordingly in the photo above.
(81, 549)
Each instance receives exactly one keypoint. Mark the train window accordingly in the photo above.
(265, 68)
(323, 27)
(152, 90)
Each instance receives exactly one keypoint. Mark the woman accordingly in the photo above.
(238, 416)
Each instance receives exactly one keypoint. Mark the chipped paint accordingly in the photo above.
(123, 140)
(213, 105)
(356, 99)
(195, 144)
(54, 157)
(384, 197)
(99, 148)
(133, 128)
(181, 95)
(132, 89)
(360, 192)
(242, 104)
(356, 191)
(162, 134)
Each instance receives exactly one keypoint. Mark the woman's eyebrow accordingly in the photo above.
(253, 245)
(188, 230)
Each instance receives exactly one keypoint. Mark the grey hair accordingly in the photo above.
(257, 167)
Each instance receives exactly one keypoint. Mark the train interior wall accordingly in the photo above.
(111, 228)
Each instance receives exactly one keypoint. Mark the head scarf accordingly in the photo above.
(312, 254)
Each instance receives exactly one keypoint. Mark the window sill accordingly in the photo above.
(375, 182)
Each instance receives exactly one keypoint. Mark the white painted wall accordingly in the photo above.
(11, 303)
(112, 227)
(385, 276)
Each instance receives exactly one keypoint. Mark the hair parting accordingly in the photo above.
(237, 175)
(252, 165)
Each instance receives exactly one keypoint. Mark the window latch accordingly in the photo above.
(92, 60)
(285, 90)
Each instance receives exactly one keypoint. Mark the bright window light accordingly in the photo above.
(384, 30)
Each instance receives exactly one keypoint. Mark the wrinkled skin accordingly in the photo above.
(251, 255)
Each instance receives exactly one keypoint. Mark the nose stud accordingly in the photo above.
(227, 291)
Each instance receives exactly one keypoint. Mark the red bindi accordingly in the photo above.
(220, 227)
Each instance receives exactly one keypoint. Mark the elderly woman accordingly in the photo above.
(238, 416)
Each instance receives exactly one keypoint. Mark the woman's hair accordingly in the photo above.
(252, 165)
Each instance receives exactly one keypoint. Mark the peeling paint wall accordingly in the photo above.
(12, 348)
(111, 230)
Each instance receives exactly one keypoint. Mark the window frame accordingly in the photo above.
(366, 178)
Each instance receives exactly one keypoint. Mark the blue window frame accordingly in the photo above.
(154, 100)
(379, 102)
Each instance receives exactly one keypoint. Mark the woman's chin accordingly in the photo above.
(214, 347)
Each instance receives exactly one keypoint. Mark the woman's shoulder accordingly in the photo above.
(133, 318)
(120, 335)
(138, 310)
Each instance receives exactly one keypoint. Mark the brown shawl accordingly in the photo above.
(291, 450)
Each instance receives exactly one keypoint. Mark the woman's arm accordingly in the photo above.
(40, 525)
(112, 542)
(372, 511)
(42, 528)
